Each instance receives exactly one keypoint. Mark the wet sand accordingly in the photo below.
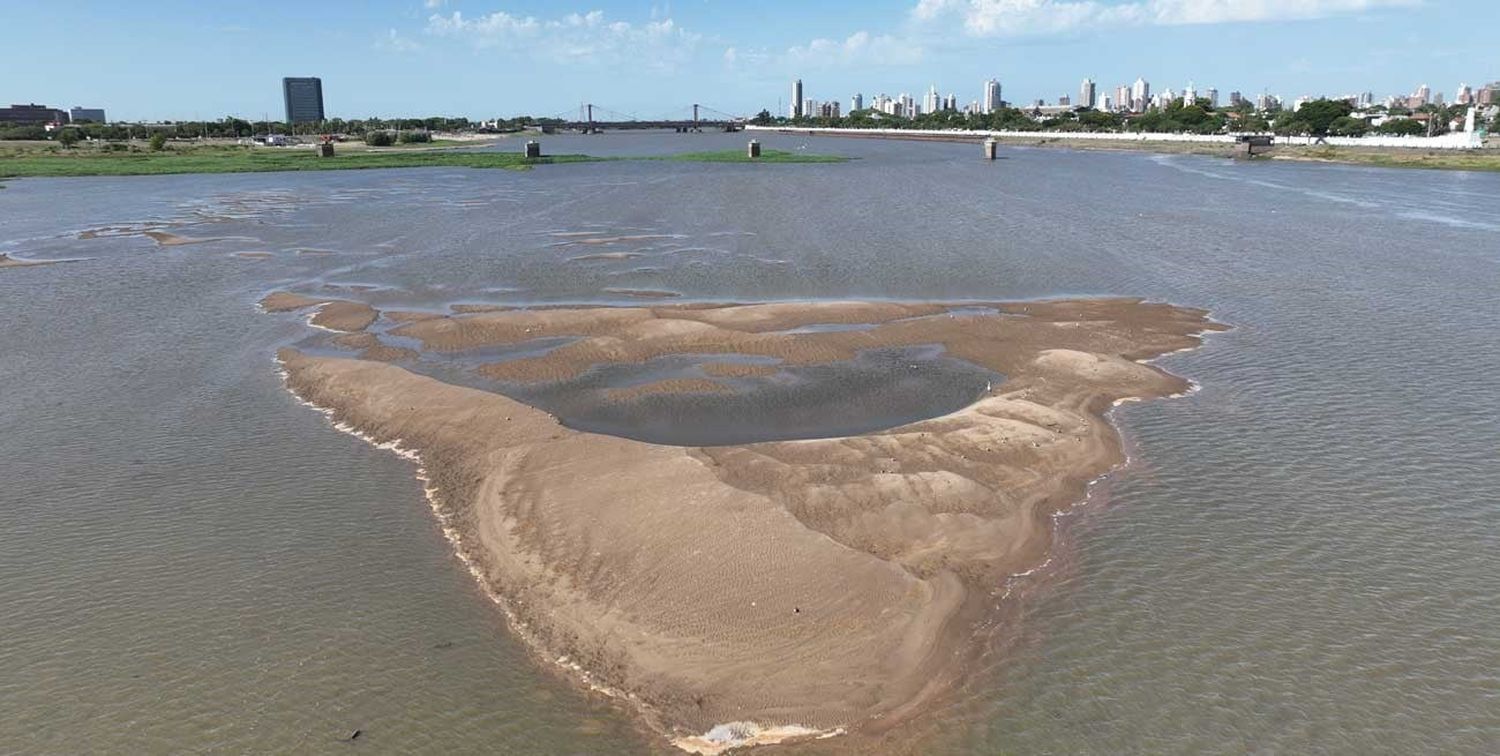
(643, 293)
(340, 315)
(6, 261)
(780, 590)
(332, 314)
(168, 239)
(737, 369)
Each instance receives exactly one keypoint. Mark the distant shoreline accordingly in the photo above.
(81, 162)
(1415, 156)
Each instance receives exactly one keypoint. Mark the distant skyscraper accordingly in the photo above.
(1140, 95)
(1064, 101)
(1086, 93)
(931, 103)
(1189, 95)
(991, 100)
(810, 107)
(1465, 96)
(1122, 97)
(304, 98)
(1490, 94)
(1423, 95)
(80, 115)
(796, 109)
(1104, 104)
(1235, 98)
(1213, 97)
(857, 102)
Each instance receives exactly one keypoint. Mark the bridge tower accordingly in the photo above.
(695, 117)
(590, 128)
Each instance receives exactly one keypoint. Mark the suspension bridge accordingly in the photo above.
(595, 119)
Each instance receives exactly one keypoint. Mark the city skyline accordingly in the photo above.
(482, 59)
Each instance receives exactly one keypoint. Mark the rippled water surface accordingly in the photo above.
(1302, 556)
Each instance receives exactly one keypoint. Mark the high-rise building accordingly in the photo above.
(1086, 94)
(1140, 95)
(1213, 97)
(32, 113)
(1122, 97)
(1064, 101)
(1189, 95)
(857, 102)
(796, 109)
(1104, 104)
(809, 107)
(1465, 96)
(1422, 96)
(90, 115)
(1489, 95)
(304, 98)
(1235, 98)
(1366, 99)
(991, 100)
(931, 103)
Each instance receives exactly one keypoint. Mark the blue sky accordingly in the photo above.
(181, 59)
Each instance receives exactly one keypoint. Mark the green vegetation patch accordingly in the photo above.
(54, 162)
(243, 160)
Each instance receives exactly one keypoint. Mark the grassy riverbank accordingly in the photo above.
(47, 161)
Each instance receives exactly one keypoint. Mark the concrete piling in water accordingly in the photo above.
(990, 148)
(753, 149)
(533, 149)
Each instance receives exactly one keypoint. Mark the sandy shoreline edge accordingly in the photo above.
(884, 571)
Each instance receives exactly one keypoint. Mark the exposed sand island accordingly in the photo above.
(736, 595)
(6, 261)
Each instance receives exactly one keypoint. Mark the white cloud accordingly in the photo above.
(577, 37)
(394, 42)
(433, 3)
(1000, 18)
(859, 48)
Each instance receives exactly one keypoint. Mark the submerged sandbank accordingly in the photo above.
(746, 593)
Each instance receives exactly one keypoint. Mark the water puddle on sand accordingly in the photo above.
(741, 399)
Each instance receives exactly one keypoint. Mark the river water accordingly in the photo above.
(1302, 556)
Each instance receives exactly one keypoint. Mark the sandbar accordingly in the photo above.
(738, 369)
(6, 261)
(736, 595)
(168, 239)
(332, 314)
